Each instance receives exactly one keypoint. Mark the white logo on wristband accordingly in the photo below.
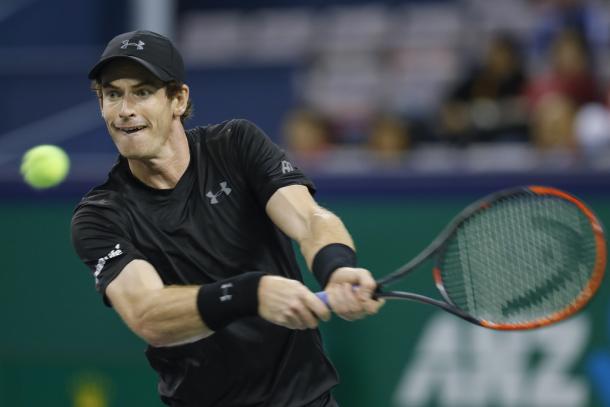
(225, 292)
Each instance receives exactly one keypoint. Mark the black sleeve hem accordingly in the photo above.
(109, 278)
(272, 187)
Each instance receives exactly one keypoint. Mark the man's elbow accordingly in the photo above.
(163, 335)
(150, 333)
(144, 322)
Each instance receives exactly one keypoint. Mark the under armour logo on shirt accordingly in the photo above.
(286, 167)
(213, 196)
(139, 45)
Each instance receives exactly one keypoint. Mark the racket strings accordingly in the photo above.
(520, 259)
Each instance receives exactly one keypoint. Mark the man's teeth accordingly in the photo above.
(132, 129)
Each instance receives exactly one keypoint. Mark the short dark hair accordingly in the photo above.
(171, 90)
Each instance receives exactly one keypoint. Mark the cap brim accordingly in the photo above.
(159, 73)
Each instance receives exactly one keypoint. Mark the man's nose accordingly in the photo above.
(127, 108)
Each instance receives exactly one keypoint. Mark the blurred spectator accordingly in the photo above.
(487, 105)
(552, 123)
(555, 16)
(570, 73)
(389, 138)
(306, 134)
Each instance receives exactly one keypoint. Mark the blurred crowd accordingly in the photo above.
(547, 89)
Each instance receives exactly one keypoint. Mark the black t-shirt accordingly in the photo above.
(211, 226)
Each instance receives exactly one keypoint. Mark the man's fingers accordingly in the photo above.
(337, 299)
(350, 293)
(353, 303)
(366, 283)
(345, 302)
(362, 280)
(305, 314)
(317, 306)
(373, 306)
(290, 304)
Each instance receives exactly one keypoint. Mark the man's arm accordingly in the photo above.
(295, 212)
(169, 315)
(161, 315)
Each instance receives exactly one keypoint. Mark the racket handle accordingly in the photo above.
(324, 297)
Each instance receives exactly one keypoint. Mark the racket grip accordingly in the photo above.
(323, 297)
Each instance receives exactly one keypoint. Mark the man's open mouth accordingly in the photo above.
(131, 130)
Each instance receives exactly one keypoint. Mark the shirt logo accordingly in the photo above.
(214, 196)
(286, 167)
(101, 262)
(139, 45)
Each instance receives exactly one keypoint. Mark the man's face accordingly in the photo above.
(136, 109)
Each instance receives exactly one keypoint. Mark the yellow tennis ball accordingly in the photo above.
(45, 166)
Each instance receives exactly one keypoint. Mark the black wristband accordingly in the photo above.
(329, 258)
(226, 301)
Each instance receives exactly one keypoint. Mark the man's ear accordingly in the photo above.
(181, 100)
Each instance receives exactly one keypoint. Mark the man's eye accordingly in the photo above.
(112, 94)
(143, 92)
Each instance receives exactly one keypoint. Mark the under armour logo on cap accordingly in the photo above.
(139, 45)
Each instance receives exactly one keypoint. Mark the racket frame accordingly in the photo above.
(439, 243)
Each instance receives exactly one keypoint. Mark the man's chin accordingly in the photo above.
(133, 150)
(131, 155)
(134, 154)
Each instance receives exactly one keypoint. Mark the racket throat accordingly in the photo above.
(400, 295)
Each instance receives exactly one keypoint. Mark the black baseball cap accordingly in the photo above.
(153, 51)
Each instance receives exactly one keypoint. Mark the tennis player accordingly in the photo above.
(189, 240)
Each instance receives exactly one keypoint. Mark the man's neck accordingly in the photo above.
(164, 171)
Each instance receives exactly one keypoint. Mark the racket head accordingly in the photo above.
(521, 258)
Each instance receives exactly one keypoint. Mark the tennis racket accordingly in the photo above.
(520, 258)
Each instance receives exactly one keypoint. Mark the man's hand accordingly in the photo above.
(350, 293)
(289, 303)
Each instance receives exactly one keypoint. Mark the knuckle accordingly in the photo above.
(288, 315)
(295, 324)
(354, 307)
(294, 306)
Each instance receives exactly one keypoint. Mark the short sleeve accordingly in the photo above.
(102, 244)
(265, 165)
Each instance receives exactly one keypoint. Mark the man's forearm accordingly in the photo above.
(170, 317)
(324, 228)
